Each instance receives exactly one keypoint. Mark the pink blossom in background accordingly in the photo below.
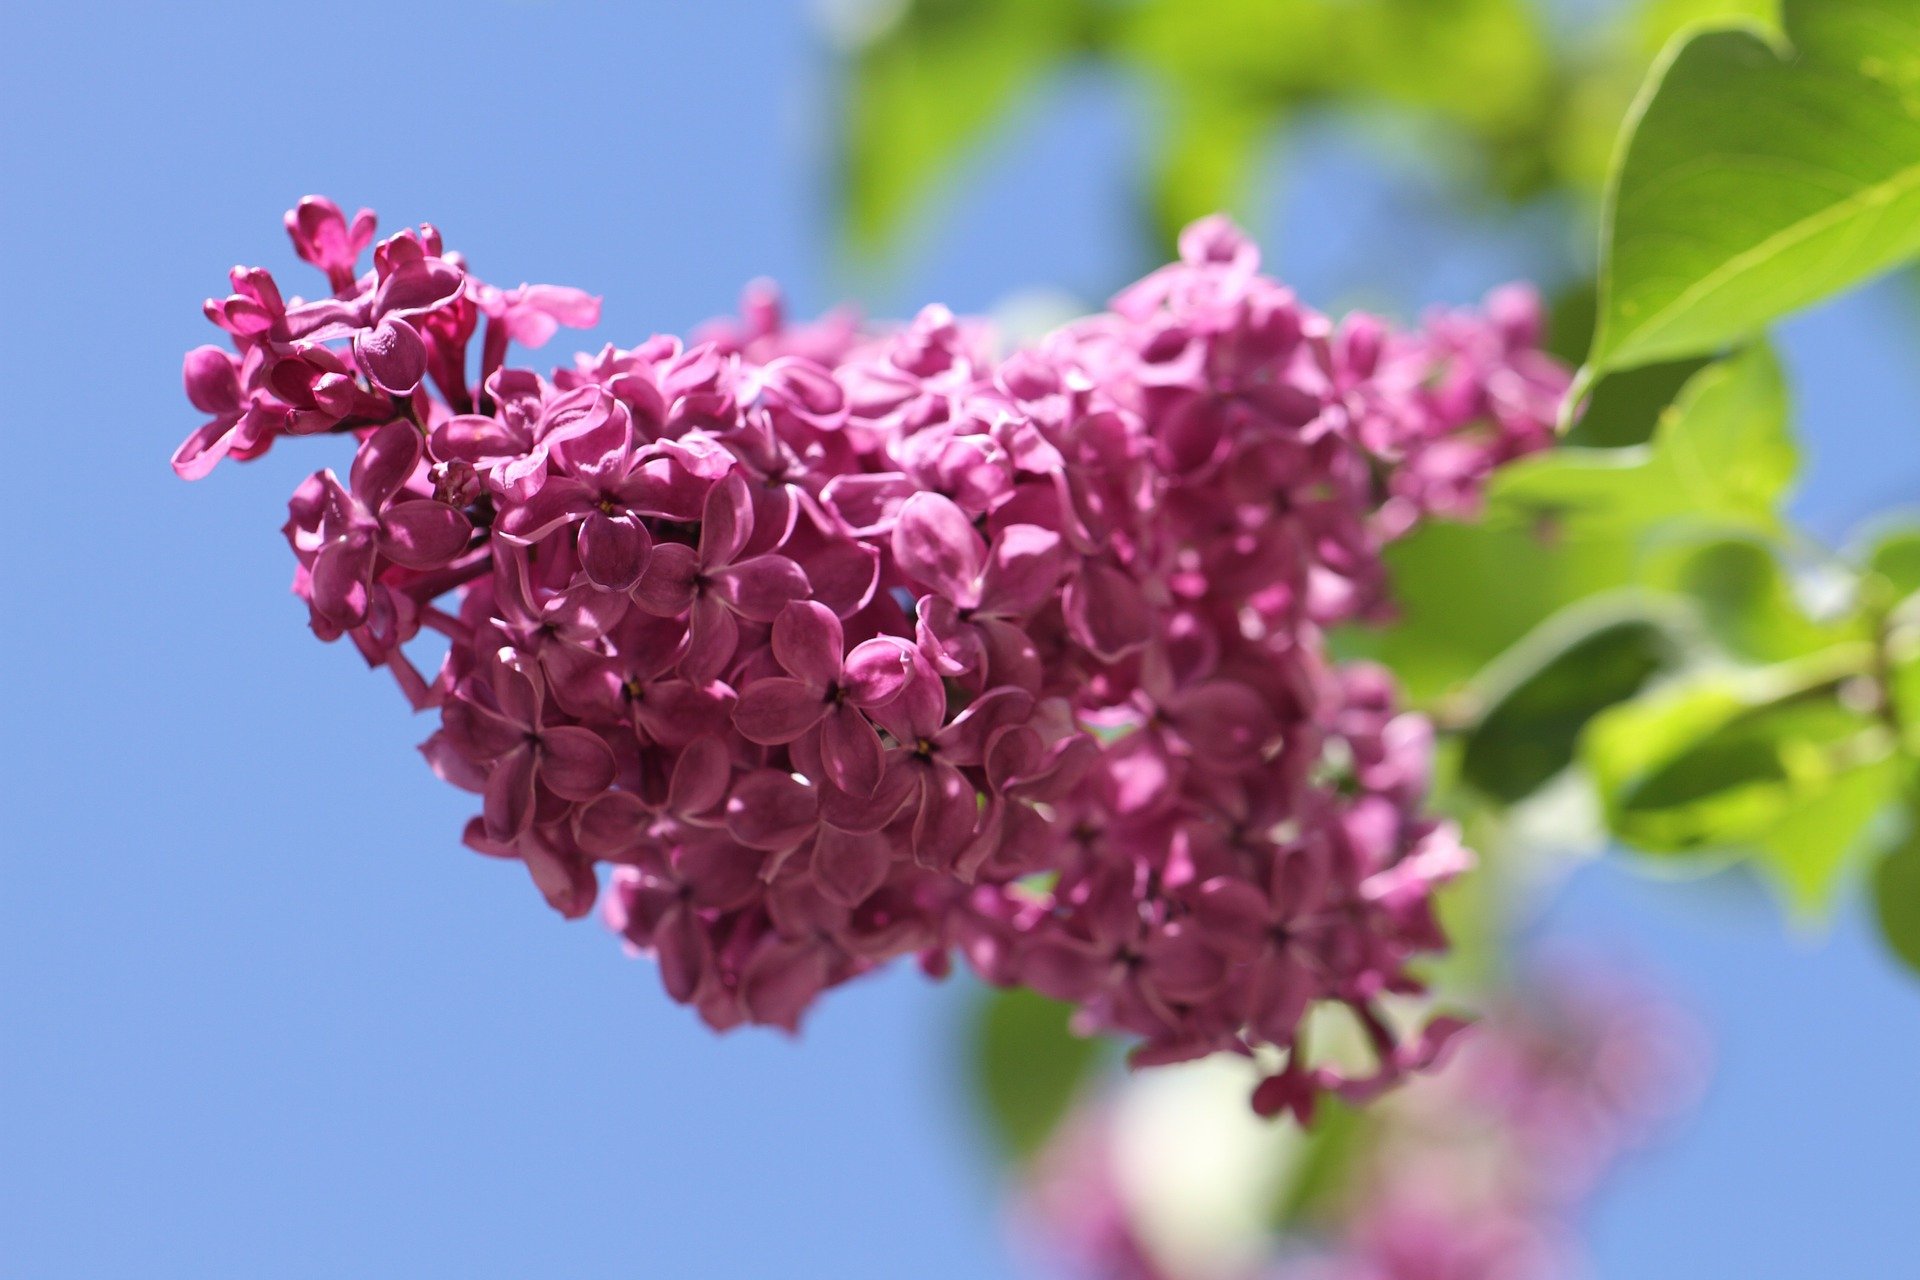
(834, 645)
(1479, 1171)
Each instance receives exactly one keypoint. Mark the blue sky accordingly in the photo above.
(261, 1015)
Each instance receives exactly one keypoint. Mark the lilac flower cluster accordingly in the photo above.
(840, 645)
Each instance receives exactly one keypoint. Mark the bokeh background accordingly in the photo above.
(260, 1014)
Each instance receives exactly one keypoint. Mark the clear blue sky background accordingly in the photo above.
(260, 1015)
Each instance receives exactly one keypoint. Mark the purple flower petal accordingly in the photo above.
(807, 641)
(423, 534)
(575, 762)
(614, 550)
(775, 710)
(936, 545)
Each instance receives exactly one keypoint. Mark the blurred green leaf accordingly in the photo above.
(1211, 147)
(1716, 761)
(1328, 1154)
(1895, 559)
(1466, 593)
(1625, 409)
(1542, 694)
(1027, 1067)
(1805, 854)
(1761, 176)
(929, 84)
(1745, 599)
(1723, 453)
(1896, 899)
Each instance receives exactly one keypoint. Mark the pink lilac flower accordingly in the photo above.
(1478, 1171)
(840, 645)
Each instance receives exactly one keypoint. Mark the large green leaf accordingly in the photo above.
(1718, 761)
(1542, 694)
(1761, 175)
(1027, 1067)
(929, 84)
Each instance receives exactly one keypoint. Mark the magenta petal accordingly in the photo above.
(781, 981)
(851, 751)
(844, 575)
(419, 286)
(478, 733)
(200, 452)
(665, 588)
(1224, 720)
(212, 382)
(712, 637)
(423, 534)
(1026, 566)
(774, 710)
(726, 522)
(557, 502)
(877, 671)
(949, 811)
(611, 824)
(509, 795)
(392, 355)
(566, 881)
(807, 641)
(935, 544)
(952, 644)
(684, 955)
(850, 867)
(964, 742)
(899, 787)
(700, 776)
(614, 550)
(469, 437)
(761, 587)
(772, 810)
(342, 576)
(869, 504)
(1107, 612)
(385, 460)
(575, 763)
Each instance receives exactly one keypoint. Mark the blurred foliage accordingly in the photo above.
(1027, 1066)
(1537, 113)
(1635, 615)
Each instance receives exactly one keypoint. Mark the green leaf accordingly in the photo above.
(1542, 694)
(1896, 900)
(1723, 454)
(1464, 594)
(1894, 559)
(1716, 762)
(1329, 1152)
(929, 84)
(1806, 853)
(1745, 599)
(1570, 523)
(1626, 408)
(1759, 176)
(1212, 144)
(1027, 1067)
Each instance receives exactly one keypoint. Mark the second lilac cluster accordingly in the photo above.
(839, 646)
